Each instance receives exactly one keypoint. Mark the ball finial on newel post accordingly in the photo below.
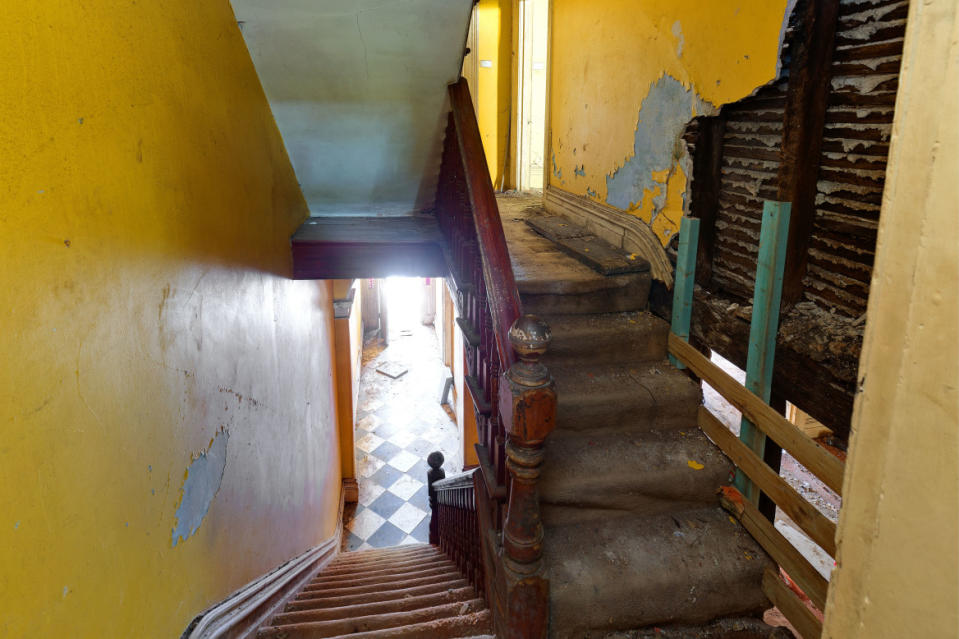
(530, 337)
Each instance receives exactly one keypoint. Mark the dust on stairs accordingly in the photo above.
(406, 592)
(634, 534)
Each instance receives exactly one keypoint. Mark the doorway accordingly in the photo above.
(532, 53)
(400, 419)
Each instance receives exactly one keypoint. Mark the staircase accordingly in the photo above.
(634, 535)
(407, 592)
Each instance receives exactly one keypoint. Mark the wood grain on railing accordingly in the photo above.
(503, 296)
(806, 451)
(778, 547)
(816, 525)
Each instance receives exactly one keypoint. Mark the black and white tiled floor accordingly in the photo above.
(399, 423)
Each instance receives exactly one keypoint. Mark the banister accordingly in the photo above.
(504, 302)
(459, 480)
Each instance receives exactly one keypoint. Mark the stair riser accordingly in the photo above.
(633, 471)
(372, 623)
(405, 562)
(369, 557)
(363, 610)
(464, 626)
(633, 296)
(597, 412)
(385, 572)
(320, 585)
(613, 341)
(318, 603)
(381, 586)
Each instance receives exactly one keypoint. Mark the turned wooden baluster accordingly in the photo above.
(527, 404)
(434, 474)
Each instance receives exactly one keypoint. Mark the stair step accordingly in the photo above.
(326, 601)
(404, 565)
(611, 294)
(387, 554)
(322, 583)
(380, 586)
(470, 625)
(647, 394)
(375, 608)
(386, 569)
(689, 566)
(370, 623)
(611, 338)
(643, 470)
(551, 282)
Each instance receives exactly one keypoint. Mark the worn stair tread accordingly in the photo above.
(391, 554)
(374, 608)
(641, 469)
(579, 243)
(470, 625)
(689, 566)
(652, 394)
(377, 622)
(550, 281)
(386, 567)
(318, 602)
(361, 579)
(383, 586)
(626, 337)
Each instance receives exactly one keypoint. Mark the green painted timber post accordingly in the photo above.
(764, 324)
(684, 281)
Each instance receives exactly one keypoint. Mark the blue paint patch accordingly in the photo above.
(590, 192)
(580, 170)
(558, 172)
(16, 525)
(200, 487)
(658, 144)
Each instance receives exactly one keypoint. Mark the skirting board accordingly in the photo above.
(626, 231)
(243, 612)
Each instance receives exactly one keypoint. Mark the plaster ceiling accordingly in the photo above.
(358, 90)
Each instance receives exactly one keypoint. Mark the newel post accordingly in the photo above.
(433, 475)
(527, 405)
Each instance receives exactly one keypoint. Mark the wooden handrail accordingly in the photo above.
(814, 523)
(511, 392)
(459, 480)
(806, 451)
(503, 296)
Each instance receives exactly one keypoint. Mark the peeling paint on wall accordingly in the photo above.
(641, 182)
(200, 486)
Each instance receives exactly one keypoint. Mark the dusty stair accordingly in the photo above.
(634, 535)
(406, 592)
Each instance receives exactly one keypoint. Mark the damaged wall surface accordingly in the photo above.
(817, 136)
(620, 99)
(166, 424)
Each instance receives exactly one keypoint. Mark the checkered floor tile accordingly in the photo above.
(399, 423)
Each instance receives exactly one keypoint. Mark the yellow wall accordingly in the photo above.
(494, 83)
(146, 204)
(627, 75)
(898, 563)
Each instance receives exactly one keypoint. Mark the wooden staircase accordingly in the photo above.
(406, 592)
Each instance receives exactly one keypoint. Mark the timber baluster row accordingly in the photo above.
(491, 528)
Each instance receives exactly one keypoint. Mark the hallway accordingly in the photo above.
(399, 423)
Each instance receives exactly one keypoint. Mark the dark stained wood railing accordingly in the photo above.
(454, 511)
(511, 392)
